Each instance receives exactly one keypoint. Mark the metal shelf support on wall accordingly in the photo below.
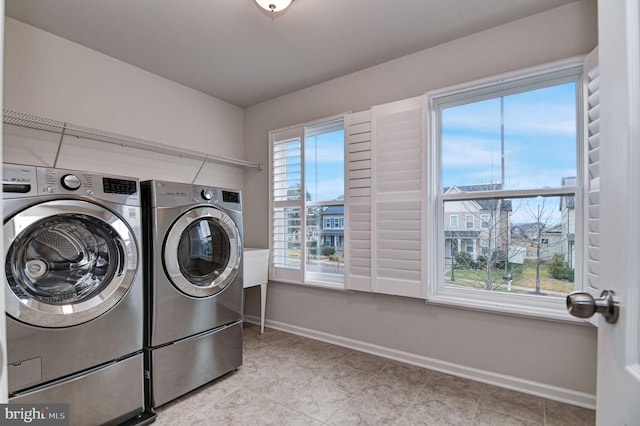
(69, 129)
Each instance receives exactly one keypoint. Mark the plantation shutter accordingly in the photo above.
(358, 202)
(592, 210)
(288, 220)
(397, 199)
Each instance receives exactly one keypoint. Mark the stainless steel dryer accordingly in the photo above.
(193, 277)
(73, 290)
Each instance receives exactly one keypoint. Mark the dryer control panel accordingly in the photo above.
(174, 194)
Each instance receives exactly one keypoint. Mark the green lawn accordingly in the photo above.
(524, 279)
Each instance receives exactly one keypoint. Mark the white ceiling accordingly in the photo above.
(231, 50)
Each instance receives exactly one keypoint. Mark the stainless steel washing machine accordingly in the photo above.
(73, 290)
(193, 282)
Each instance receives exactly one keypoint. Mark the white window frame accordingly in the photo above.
(517, 304)
(451, 221)
(301, 276)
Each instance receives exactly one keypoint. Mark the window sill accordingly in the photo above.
(549, 311)
(316, 285)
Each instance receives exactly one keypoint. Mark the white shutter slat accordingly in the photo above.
(411, 255)
(361, 244)
(360, 183)
(360, 165)
(359, 193)
(359, 156)
(360, 174)
(359, 128)
(361, 146)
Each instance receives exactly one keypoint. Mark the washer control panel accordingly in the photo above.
(20, 181)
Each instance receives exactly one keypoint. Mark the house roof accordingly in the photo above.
(333, 210)
(461, 234)
(331, 231)
(487, 204)
(474, 188)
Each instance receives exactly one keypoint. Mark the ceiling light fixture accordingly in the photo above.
(274, 5)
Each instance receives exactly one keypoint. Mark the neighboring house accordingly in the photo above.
(557, 237)
(478, 227)
(524, 231)
(332, 228)
(553, 240)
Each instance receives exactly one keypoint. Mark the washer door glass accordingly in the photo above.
(202, 252)
(66, 263)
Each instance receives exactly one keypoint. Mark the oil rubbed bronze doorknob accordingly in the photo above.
(583, 305)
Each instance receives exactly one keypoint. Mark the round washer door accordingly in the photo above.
(66, 262)
(202, 252)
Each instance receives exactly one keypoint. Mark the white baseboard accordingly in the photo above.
(555, 393)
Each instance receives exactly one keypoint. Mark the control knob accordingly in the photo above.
(206, 194)
(70, 182)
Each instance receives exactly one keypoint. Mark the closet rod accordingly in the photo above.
(69, 129)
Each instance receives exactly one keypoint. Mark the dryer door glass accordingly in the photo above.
(66, 262)
(202, 252)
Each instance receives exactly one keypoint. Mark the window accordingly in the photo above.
(453, 221)
(508, 153)
(307, 177)
(469, 221)
(484, 224)
(468, 246)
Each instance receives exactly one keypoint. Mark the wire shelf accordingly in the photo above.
(70, 129)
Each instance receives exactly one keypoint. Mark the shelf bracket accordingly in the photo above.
(62, 134)
(206, 158)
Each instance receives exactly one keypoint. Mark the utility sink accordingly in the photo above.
(256, 272)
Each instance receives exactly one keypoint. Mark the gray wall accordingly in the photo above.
(548, 353)
(48, 76)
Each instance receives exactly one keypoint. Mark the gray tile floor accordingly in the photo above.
(290, 380)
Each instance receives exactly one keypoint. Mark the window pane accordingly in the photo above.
(325, 244)
(324, 165)
(525, 140)
(529, 240)
(286, 238)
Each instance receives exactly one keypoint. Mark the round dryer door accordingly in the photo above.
(202, 252)
(66, 262)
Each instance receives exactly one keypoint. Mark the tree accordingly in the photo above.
(490, 236)
(494, 224)
(543, 219)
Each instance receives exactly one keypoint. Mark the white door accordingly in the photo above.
(618, 388)
(3, 333)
